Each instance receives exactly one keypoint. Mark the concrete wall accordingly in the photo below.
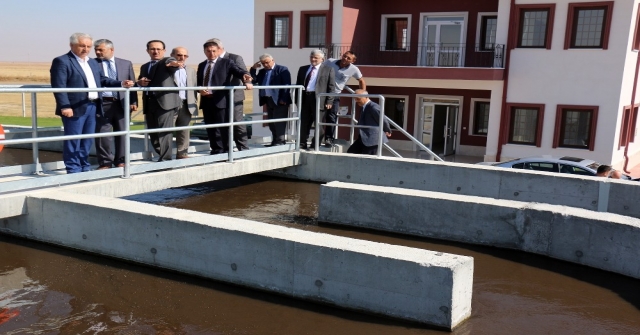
(395, 281)
(601, 240)
(591, 193)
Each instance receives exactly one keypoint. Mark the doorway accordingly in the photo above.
(442, 41)
(439, 126)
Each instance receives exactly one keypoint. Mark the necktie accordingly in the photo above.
(308, 78)
(207, 74)
(111, 72)
(265, 82)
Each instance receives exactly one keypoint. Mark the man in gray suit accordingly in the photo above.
(160, 106)
(184, 77)
(316, 78)
(239, 132)
(112, 116)
(367, 142)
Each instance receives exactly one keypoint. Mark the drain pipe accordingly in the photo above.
(502, 131)
(631, 113)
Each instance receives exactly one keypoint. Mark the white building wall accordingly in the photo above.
(575, 77)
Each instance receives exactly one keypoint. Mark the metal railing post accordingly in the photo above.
(34, 132)
(127, 137)
(231, 114)
(299, 122)
(352, 131)
(381, 125)
(316, 129)
(24, 107)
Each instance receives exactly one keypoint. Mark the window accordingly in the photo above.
(588, 25)
(541, 166)
(394, 108)
(277, 30)
(525, 123)
(535, 25)
(395, 32)
(313, 29)
(481, 117)
(575, 127)
(488, 28)
(627, 118)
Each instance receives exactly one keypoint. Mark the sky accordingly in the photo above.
(39, 30)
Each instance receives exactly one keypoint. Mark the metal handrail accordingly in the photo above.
(355, 122)
(33, 89)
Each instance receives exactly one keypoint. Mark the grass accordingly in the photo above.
(42, 122)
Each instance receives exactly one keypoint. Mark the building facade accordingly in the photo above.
(497, 79)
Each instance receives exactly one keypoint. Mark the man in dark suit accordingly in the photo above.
(112, 117)
(316, 78)
(367, 142)
(276, 100)
(78, 109)
(184, 77)
(239, 132)
(160, 106)
(216, 71)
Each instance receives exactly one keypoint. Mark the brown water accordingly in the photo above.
(49, 290)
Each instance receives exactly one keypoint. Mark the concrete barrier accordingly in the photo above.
(591, 193)
(601, 240)
(395, 281)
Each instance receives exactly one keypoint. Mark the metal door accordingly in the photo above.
(450, 130)
(426, 124)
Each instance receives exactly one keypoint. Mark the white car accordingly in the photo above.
(572, 165)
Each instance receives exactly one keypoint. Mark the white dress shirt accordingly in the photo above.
(91, 80)
(105, 68)
(311, 87)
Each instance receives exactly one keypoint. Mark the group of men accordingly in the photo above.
(89, 112)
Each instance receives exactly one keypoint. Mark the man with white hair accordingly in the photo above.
(78, 109)
(316, 78)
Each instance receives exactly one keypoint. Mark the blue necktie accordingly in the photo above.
(265, 82)
(111, 73)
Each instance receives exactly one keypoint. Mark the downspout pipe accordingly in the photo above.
(504, 127)
(632, 120)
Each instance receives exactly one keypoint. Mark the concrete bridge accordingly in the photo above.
(585, 220)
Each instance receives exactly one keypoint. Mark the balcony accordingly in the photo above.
(425, 55)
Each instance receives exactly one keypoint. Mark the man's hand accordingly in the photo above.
(67, 112)
(143, 81)
(204, 93)
(247, 78)
(257, 65)
(328, 106)
(248, 86)
(175, 63)
(133, 108)
(128, 83)
(388, 134)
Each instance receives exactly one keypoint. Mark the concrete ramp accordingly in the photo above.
(399, 282)
(601, 240)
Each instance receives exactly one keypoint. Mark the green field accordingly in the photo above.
(42, 122)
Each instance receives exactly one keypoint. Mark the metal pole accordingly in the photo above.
(127, 137)
(316, 129)
(299, 121)
(353, 120)
(380, 124)
(231, 113)
(24, 107)
(34, 132)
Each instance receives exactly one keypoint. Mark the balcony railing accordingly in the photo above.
(428, 55)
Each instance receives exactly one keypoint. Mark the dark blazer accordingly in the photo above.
(124, 71)
(161, 76)
(280, 75)
(370, 116)
(67, 73)
(223, 71)
(238, 95)
(325, 81)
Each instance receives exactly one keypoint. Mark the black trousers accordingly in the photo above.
(308, 116)
(277, 129)
(359, 148)
(218, 137)
(239, 132)
(112, 119)
(157, 117)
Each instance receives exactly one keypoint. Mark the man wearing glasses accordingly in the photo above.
(184, 77)
(277, 100)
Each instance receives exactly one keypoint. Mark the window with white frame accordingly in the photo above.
(486, 31)
(396, 32)
(480, 117)
(395, 108)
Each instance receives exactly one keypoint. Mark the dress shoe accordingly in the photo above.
(120, 165)
(303, 146)
(328, 142)
(103, 167)
(182, 156)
